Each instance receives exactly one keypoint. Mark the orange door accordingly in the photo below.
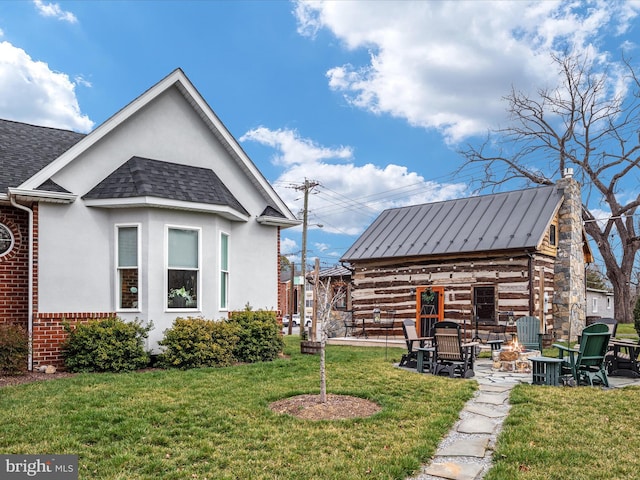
(429, 309)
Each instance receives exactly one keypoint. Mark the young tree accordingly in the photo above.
(590, 122)
(327, 297)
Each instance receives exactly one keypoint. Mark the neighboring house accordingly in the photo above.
(334, 289)
(481, 258)
(157, 213)
(600, 303)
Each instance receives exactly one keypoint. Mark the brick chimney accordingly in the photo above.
(569, 300)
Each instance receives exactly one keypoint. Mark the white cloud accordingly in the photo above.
(293, 149)
(80, 80)
(54, 10)
(288, 246)
(31, 92)
(447, 65)
(349, 196)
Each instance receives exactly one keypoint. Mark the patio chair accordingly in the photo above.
(528, 332)
(588, 363)
(612, 323)
(350, 325)
(412, 340)
(452, 356)
(623, 359)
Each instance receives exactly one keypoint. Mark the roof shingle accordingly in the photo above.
(26, 149)
(143, 177)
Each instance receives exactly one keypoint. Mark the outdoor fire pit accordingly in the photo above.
(513, 358)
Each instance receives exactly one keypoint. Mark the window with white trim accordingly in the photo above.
(128, 266)
(224, 271)
(183, 267)
(594, 305)
(608, 303)
(6, 239)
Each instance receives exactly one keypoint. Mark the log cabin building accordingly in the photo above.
(481, 261)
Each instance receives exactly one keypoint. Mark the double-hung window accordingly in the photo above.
(183, 267)
(128, 267)
(224, 271)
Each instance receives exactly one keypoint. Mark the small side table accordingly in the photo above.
(425, 359)
(546, 370)
(495, 344)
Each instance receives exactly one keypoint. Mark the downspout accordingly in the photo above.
(30, 295)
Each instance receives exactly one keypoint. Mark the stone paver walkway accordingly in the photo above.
(466, 452)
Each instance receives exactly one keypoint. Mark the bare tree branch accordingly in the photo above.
(590, 122)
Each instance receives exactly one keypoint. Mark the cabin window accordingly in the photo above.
(594, 305)
(484, 302)
(6, 240)
(552, 235)
(183, 245)
(128, 255)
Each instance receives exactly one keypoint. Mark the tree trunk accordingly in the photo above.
(323, 373)
(621, 296)
(618, 272)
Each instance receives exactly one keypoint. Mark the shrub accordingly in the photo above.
(196, 342)
(14, 349)
(259, 334)
(107, 345)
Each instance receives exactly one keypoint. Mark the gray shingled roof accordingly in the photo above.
(271, 211)
(26, 149)
(501, 221)
(142, 177)
(335, 271)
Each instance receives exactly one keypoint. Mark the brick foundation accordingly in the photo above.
(49, 333)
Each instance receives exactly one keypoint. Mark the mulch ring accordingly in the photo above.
(337, 407)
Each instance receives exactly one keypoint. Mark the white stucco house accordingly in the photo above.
(155, 214)
(600, 303)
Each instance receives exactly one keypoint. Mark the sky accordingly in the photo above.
(370, 101)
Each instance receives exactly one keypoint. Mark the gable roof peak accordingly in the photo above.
(175, 79)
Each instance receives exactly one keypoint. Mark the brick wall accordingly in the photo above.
(49, 333)
(14, 269)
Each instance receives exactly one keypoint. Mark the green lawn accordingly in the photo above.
(216, 424)
(583, 433)
(626, 330)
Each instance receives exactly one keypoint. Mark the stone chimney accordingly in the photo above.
(569, 300)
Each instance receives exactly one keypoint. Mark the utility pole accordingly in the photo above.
(314, 318)
(306, 187)
(290, 302)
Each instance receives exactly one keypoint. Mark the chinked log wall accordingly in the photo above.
(389, 287)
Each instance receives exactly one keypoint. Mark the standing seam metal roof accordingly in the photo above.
(500, 221)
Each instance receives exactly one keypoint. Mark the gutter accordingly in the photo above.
(30, 295)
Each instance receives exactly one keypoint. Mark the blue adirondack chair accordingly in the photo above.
(528, 331)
